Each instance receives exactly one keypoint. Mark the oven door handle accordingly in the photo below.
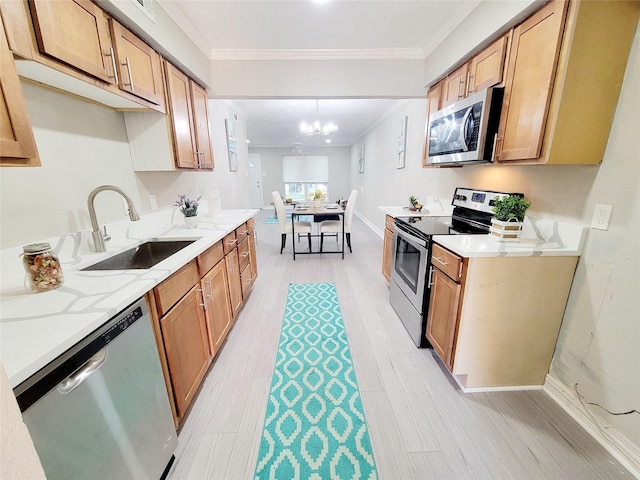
(409, 237)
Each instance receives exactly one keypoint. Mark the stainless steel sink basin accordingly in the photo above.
(141, 257)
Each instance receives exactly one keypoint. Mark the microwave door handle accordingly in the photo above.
(463, 129)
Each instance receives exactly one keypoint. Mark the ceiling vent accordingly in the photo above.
(147, 7)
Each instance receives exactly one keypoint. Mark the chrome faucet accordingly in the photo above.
(98, 238)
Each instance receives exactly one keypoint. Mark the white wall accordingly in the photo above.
(83, 145)
(598, 344)
(339, 165)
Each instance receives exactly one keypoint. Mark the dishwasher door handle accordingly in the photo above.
(74, 380)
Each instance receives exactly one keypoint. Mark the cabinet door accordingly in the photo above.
(179, 97)
(217, 305)
(246, 281)
(235, 288)
(17, 143)
(186, 343)
(443, 315)
(454, 86)
(387, 252)
(243, 254)
(75, 32)
(528, 84)
(486, 68)
(253, 260)
(202, 134)
(139, 65)
(434, 102)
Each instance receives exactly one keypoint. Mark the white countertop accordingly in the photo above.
(540, 237)
(435, 210)
(35, 328)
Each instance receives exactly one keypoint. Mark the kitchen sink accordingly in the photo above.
(141, 257)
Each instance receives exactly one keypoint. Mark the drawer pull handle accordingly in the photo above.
(127, 64)
(440, 261)
(203, 304)
(113, 62)
(430, 283)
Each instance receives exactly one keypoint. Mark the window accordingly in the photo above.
(303, 175)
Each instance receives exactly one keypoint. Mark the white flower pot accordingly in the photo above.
(508, 231)
(317, 203)
(191, 222)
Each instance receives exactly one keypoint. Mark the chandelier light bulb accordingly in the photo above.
(317, 129)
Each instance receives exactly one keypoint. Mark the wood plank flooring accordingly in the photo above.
(421, 425)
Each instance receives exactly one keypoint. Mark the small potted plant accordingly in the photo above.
(416, 206)
(507, 223)
(189, 209)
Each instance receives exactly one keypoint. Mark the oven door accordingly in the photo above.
(409, 267)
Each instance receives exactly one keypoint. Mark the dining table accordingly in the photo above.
(326, 210)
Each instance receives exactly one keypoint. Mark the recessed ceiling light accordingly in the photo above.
(328, 140)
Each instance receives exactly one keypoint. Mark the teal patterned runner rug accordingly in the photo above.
(314, 427)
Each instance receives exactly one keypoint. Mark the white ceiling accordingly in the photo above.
(338, 29)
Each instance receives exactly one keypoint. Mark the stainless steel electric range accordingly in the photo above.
(410, 290)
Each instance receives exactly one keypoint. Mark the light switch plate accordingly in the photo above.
(153, 203)
(601, 217)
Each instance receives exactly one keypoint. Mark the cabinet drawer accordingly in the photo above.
(243, 254)
(448, 262)
(242, 232)
(175, 287)
(229, 242)
(208, 258)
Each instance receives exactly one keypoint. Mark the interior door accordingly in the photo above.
(255, 180)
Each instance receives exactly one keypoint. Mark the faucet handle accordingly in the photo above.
(105, 235)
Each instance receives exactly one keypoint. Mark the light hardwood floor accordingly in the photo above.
(421, 425)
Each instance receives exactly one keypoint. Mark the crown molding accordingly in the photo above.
(319, 54)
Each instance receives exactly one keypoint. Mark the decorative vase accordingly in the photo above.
(191, 222)
(508, 231)
(317, 203)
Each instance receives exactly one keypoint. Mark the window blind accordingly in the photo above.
(305, 168)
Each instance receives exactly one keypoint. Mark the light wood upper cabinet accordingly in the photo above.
(434, 103)
(17, 143)
(486, 69)
(139, 65)
(201, 132)
(563, 82)
(528, 83)
(454, 86)
(483, 71)
(190, 120)
(75, 32)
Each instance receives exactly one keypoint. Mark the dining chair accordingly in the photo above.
(286, 228)
(335, 226)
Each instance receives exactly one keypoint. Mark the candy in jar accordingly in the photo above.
(42, 267)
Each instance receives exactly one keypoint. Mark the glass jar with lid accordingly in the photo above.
(42, 267)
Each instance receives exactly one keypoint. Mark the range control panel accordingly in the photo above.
(479, 200)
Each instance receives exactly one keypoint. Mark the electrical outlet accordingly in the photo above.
(601, 217)
(153, 203)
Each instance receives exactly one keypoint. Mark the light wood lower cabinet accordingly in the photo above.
(253, 260)
(187, 348)
(235, 284)
(494, 321)
(217, 305)
(387, 249)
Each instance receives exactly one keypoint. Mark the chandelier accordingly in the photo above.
(316, 129)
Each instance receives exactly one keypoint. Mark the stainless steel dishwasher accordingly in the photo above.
(100, 410)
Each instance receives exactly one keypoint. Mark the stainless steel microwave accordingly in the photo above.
(465, 131)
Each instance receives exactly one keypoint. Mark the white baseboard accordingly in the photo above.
(625, 452)
(375, 229)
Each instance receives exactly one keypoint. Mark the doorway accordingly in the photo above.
(255, 180)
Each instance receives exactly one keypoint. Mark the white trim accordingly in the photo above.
(375, 229)
(618, 446)
(317, 54)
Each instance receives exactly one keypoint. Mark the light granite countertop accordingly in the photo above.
(35, 328)
(540, 237)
